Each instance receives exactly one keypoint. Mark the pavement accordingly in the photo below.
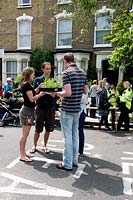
(105, 172)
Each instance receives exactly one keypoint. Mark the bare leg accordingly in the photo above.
(36, 137)
(46, 137)
(23, 139)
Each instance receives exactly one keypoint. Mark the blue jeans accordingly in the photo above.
(69, 124)
(81, 132)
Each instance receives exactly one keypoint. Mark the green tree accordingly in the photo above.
(83, 12)
(122, 40)
(38, 57)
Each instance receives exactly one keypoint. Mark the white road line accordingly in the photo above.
(126, 158)
(12, 164)
(79, 171)
(125, 167)
(126, 152)
(127, 182)
(43, 189)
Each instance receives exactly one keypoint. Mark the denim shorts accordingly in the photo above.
(27, 115)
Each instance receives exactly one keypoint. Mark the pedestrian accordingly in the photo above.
(83, 114)
(74, 83)
(1, 89)
(8, 88)
(44, 112)
(113, 102)
(125, 106)
(107, 85)
(27, 111)
(103, 105)
(93, 95)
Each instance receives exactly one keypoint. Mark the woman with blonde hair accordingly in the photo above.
(27, 111)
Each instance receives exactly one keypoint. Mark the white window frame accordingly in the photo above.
(20, 19)
(11, 74)
(64, 1)
(21, 4)
(99, 12)
(22, 65)
(64, 15)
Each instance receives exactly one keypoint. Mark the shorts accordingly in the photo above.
(44, 117)
(27, 115)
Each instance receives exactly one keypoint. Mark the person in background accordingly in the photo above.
(113, 102)
(83, 114)
(1, 89)
(103, 105)
(93, 95)
(45, 111)
(125, 106)
(107, 85)
(27, 111)
(8, 88)
(75, 84)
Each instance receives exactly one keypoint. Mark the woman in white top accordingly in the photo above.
(83, 113)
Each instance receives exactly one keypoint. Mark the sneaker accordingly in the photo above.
(80, 155)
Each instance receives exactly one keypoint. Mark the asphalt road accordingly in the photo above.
(104, 173)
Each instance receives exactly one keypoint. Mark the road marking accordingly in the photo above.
(126, 158)
(125, 167)
(43, 189)
(12, 164)
(87, 148)
(127, 152)
(79, 171)
(127, 182)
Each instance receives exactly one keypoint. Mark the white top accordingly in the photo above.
(84, 100)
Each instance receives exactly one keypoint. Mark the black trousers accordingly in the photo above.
(113, 118)
(104, 121)
(124, 118)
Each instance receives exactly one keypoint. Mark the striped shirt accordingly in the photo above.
(77, 78)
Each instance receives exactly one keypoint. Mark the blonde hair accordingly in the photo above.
(100, 83)
(25, 75)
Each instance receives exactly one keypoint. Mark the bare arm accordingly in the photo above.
(34, 98)
(86, 89)
(67, 92)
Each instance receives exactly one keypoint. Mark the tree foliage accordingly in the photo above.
(83, 13)
(122, 39)
(38, 57)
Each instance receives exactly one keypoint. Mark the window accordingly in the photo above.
(83, 65)
(103, 27)
(24, 32)
(64, 33)
(24, 3)
(11, 69)
(64, 1)
(24, 63)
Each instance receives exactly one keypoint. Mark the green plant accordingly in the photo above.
(52, 83)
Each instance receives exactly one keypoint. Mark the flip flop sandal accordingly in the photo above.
(26, 160)
(33, 150)
(46, 150)
(29, 156)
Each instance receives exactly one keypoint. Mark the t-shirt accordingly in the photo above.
(27, 87)
(77, 78)
(46, 101)
(93, 90)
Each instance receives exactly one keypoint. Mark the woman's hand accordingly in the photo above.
(41, 93)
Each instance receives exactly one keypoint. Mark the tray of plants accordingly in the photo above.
(51, 85)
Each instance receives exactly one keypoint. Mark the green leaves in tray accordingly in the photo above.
(52, 83)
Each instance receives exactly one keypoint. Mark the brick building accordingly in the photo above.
(25, 25)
